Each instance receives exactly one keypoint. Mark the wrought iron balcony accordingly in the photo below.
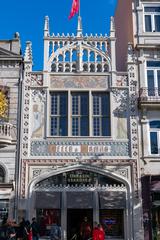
(5, 133)
(149, 96)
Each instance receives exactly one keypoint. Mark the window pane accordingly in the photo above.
(152, 9)
(150, 80)
(158, 79)
(54, 102)
(63, 130)
(96, 126)
(75, 126)
(84, 126)
(96, 105)
(148, 26)
(105, 126)
(75, 104)
(105, 105)
(154, 143)
(84, 104)
(157, 23)
(63, 103)
(2, 175)
(155, 124)
(153, 63)
(54, 126)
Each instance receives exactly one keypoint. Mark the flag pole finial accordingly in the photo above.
(79, 26)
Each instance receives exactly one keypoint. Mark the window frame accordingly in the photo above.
(155, 130)
(69, 114)
(152, 14)
(155, 69)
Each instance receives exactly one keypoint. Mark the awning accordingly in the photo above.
(79, 200)
(155, 186)
(48, 200)
(112, 200)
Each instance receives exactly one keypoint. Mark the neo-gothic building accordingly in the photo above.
(79, 142)
(10, 81)
(141, 25)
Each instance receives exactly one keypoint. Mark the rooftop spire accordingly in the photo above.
(79, 27)
(46, 26)
(28, 52)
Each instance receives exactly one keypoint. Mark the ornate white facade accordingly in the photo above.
(79, 140)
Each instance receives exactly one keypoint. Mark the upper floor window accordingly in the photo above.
(2, 175)
(59, 112)
(80, 114)
(101, 113)
(155, 137)
(153, 78)
(152, 18)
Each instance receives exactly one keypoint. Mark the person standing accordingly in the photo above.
(85, 229)
(11, 233)
(55, 233)
(95, 231)
(35, 229)
(100, 233)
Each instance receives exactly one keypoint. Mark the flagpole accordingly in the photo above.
(79, 14)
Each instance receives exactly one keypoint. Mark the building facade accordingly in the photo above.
(79, 137)
(143, 30)
(10, 75)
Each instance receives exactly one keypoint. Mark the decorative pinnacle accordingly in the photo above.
(112, 27)
(28, 52)
(46, 26)
(79, 27)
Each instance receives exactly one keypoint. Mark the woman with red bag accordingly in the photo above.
(27, 231)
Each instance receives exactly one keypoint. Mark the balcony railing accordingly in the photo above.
(5, 132)
(149, 95)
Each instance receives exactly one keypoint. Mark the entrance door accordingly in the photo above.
(75, 217)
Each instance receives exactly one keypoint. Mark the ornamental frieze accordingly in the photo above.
(97, 82)
(79, 148)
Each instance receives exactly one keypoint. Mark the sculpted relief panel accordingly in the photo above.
(38, 99)
(98, 82)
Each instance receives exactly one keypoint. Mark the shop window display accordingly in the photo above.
(112, 222)
(45, 218)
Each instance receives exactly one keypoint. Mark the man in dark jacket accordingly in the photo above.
(35, 229)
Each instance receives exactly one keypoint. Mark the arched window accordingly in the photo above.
(155, 136)
(85, 55)
(2, 175)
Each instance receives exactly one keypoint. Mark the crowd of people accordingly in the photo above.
(25, 230)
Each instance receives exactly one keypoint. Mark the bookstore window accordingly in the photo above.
(152, 18)
(85, 108)
(59, 116)
(112, 222)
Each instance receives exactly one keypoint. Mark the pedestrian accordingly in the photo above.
(35, 229)
(85, 229)
(101, 233)
(20, 232)
(55, 233)
(27, 231)
(95, 231)
(11, 233)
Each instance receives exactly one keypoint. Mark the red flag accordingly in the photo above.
(74, 9)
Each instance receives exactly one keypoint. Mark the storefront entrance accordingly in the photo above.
(75, 218)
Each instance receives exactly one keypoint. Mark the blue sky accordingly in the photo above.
(27, 18)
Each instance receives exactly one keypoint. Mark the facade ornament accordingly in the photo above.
(28, 52)
(38, 95)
